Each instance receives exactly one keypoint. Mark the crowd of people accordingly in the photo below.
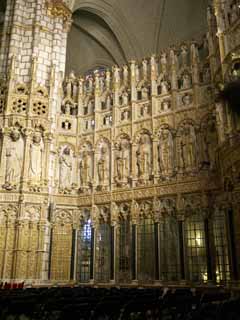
(85, 303)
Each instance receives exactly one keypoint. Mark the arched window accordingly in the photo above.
(124, 250)
(146, 249)
(84, 251)
(195, 248)
(103, 252)
(221, 246)
(169, 249)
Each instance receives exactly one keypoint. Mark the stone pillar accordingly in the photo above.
(35, 29)
(155, 157)
(133, 80)
(134, 162)
(154, 75)
(26, 158)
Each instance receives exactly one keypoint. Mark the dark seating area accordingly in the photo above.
(84, 303)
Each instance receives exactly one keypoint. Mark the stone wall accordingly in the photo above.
(134, 144)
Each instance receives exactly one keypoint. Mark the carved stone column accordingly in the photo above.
(155, 157)
(26, 158)
(133, 80)
(134, 164)
(154, 75)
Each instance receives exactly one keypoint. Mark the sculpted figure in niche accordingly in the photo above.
(186, 81)
(116, 75)
(85, 168)
(66, 164)
(145, 68)
(184, 54)
(125, 115)
(108, 102)
(210, 143)
(187, 100)
(36, 157)
(122, 161)
(14, 159)
(125, 98)
(188, 147)
(144, 157)
(164, 87)
(102, 166)
(90, 83)
(137, 73)
(166, 153)
(166, 105)
(102, 82)
(125, 74)
(163, 60)
(145, 93)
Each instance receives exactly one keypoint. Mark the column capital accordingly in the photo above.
(59, 8)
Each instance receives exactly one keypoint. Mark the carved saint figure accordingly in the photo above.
(145, 93)
(122, 161)
(137, 73)
(14, 159)
(125, 74)
(102, 166)
(164, 87)
(144, 157)
(145, 68)
(85, 168)
(36, 157)
(65, 172)
(188, 147)
(210, 142)
(184, 54)
(186, 81)
(163, 60)
(125, 98)
(166, 152)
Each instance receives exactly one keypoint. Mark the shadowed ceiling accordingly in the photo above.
(107, 32)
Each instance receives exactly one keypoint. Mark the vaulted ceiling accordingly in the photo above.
(107, 32)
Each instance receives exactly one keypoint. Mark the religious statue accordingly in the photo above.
(90, 83)
(166, 105)
(184, 54)
(144, 158)
(108, 79)
(166, 156)
(145, 93)
(102, 166)
(85, 169)
(137, 73)
(122, 162)
(108, 102)
(187, 100)
(36, 158)
(145, 68)
(125, 98)
(101, 82)
(188, 148)
(125, 115)
(65, 169)
(125, 74)
(186, 81)
(153, 66)
(164, 87)
(163, 60)
(116, 75)
(67, 109)
(14, 160)
(210, 142)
